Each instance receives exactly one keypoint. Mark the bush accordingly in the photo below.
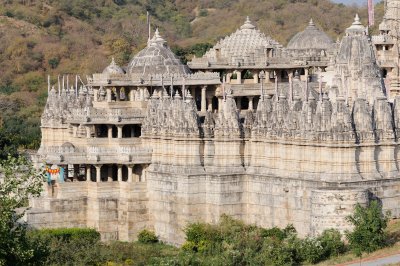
(54, 62)
(369, 225)
(67, 234)
(147, 237)
(331, 241)
(311, 250)
(203, 13)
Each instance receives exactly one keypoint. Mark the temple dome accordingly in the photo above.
(245, 46)
(310, 38)
(113, 68)
(156, 58)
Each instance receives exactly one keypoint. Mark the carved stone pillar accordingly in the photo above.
(250, 102)
(209, 104)
(119, 132)
(290, 74)
(98, 173)
(74, 130)
(96, 95)
(119, 175)
(132, 95)
(88, 173)
(239, 77)
(306, 73)
(255, 78)
(203, 98)
(117, 94)
(130, 173)
(109, 131)
(108, 93)
(228, 77)
(88, 132)
(141, 94)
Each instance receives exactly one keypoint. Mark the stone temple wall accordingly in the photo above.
(117, 210)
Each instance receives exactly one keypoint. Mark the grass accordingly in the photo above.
(393, 230)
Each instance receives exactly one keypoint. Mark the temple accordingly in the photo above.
(268, 134)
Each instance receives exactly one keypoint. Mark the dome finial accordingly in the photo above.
(113, 61)
(357, 19)
(157, 39)
(157, 33)
(311, 23)
(247, 25)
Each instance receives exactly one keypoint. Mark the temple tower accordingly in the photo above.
(387, 47)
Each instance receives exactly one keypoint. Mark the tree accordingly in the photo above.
(18, 182)
(369, 228)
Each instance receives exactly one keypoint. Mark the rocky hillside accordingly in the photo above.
(40, 37)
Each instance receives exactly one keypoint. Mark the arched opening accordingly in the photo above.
(113, 174)
(101, 131)
(197, 98)
(124, 173)
(126, 131)
(215, 103)
(114, 131)
(247, 74)
(104, 173)
(384, 73)
(81, 175)
(131, 131)
(244, 103)
(93, 173)
(137, 130)
(113, 94)
(138, 172)
(255, 102)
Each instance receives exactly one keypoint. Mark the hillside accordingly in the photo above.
(79, 36)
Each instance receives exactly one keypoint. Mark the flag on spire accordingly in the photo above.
(371, 15)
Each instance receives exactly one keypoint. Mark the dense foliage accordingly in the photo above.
(18, 182)
(80, 36)
(234, 243)
(230, 242)
(369, 223)
(147, 237)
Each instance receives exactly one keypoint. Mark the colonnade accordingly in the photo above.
(113, 172)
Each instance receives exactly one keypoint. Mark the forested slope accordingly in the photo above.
(80, 36)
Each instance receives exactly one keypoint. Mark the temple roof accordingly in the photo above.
(310, 38)
(113, 68)
(356, 61)
(241, 46)
(156, 58)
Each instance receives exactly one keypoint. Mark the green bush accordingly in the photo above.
(67, 234)
(54, 62)
(311, 250)
(203, 13)
(147, 237)
(369, 224)
(331, 241)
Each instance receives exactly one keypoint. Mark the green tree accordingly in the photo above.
(369, 228)
(18, 182)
